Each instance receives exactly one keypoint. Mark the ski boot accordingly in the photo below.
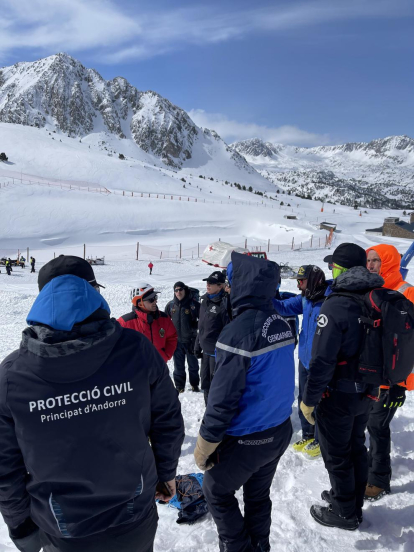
(312, 449)
(301, 444)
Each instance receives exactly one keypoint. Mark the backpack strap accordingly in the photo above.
(405, 286)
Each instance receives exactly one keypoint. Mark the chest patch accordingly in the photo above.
(187, 311)
(162, 332)
(213, 309)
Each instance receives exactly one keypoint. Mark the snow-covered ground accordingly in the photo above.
(387, 526)
(54, 219)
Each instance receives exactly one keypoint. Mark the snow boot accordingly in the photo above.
(312, 449)
(373, 493)
(301, 444)
(195, 388)
(325, 516)
(180, 390)
(326, 496)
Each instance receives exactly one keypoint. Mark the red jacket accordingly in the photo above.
(157, 327)
(150, 265)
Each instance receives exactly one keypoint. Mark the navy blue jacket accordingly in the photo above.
(78, 411)
(212, 319)
(253, 386)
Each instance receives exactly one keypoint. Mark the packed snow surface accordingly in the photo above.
(388, 524)
(45, 205)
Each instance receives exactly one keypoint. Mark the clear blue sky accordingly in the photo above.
(302, 72)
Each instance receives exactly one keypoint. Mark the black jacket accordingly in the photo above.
(338, 335)
(184, 315)
(78, 411)
(213, 318)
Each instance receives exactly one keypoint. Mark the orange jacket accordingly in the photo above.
(390, 271)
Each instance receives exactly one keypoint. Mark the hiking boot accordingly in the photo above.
(373, 493)
(195, 388)
(326, 496)
(325, 516)
(301, 444)
(180, 390)
(312, 449)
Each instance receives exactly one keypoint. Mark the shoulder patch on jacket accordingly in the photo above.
(130, 316)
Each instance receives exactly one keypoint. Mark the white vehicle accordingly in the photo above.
(218, 253)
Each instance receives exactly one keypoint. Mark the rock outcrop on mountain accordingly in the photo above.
(375, 174)
(58, 92)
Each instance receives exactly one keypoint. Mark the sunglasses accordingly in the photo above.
(330, 266)
(152, 300)
(179, 289)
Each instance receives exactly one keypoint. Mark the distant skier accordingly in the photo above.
(8, 266)
(32, 264)
(150, 266)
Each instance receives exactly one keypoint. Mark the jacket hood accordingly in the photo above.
(63, 356)
(253, 283)
(357, 278)
(390, 265)
(64, 302)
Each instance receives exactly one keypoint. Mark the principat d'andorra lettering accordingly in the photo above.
(82, 396)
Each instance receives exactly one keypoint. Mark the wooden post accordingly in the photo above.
(319, 242)
(268, 245)
(54, 255)
(137, 251)
(84, 251)
(245, 243)
(293, 242)
(180, 250)
(27, 255)
(311, 239)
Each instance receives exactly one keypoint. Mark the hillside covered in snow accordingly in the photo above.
(375, 174)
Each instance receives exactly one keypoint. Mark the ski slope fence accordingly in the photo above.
(139, 251)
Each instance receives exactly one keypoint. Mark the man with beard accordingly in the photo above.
(147, 319)
(311, 283)
(385, 260)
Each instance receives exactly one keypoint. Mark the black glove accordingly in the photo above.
(26, 536)
(395, 397)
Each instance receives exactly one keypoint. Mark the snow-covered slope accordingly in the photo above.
(60, 94)
(376, 174)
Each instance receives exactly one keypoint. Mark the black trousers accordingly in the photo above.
(342, 419)
(139, 538)
(208, 365)
(309, 431)
(379, 460)
(249, 462)
(182, 351)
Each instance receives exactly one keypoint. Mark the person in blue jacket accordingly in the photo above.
(90, 424)
(246, 427)
(312, 284)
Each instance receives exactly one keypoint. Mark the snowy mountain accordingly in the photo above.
(375, 174)
(62, 95)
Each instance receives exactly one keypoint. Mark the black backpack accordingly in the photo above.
(386, 356)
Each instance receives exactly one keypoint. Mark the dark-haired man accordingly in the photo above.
(80, 403)
(184, 311)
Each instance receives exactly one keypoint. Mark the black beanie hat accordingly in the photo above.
(180, 284)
